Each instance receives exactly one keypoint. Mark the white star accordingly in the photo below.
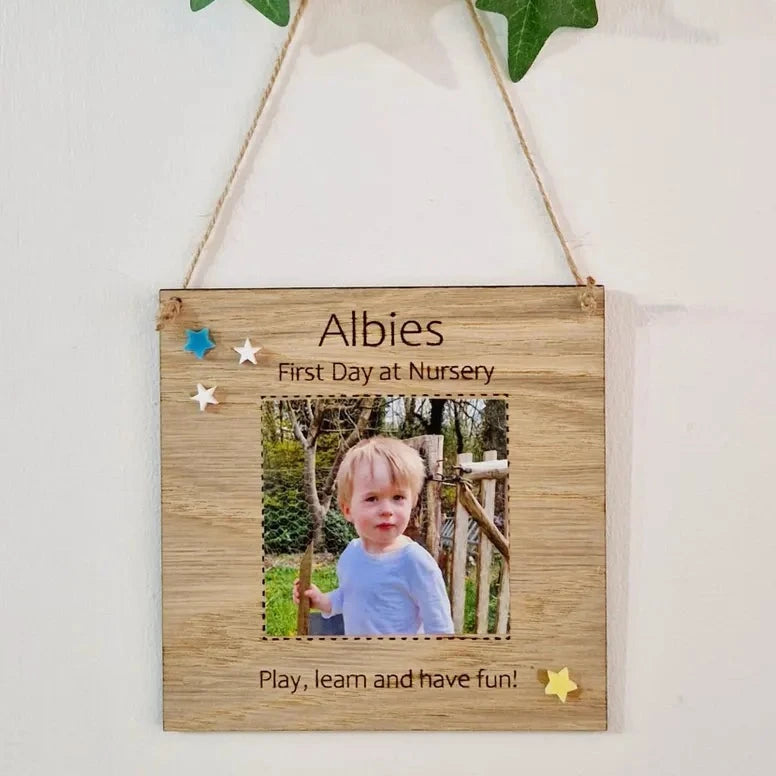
(204, 396)
(247, 352)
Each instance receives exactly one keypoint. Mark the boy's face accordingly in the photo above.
(379, 508)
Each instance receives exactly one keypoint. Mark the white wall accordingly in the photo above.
(387, 158)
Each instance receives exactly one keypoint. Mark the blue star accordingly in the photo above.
(198, 342)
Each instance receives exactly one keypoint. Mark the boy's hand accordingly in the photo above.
(318, 600)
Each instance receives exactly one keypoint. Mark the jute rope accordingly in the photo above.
(171, 308)
(587, 298)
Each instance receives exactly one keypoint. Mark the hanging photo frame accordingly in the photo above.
(256, 382)
(383, 508)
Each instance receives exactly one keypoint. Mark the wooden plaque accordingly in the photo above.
(534, 350)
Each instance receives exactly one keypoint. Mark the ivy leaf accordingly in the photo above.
(531, 22)
(277, 11)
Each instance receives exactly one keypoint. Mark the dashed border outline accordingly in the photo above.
(455, 637)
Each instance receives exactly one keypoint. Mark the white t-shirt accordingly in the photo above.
(396, 593)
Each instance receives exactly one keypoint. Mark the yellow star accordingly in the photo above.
(560, 684)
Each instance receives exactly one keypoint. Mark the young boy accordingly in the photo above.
(389, 585)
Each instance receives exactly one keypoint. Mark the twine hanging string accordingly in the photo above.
(171, 308)
(587, 298)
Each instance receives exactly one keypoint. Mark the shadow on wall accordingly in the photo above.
(405, 30)
(657, 19)
(650, 19)
(623, 319)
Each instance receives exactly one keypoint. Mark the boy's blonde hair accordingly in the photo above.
(404, 462)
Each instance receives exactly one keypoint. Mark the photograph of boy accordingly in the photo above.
(388, 584)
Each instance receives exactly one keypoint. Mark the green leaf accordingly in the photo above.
(531, 22)
(277, 11)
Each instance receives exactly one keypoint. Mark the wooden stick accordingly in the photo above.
(486, 465)
(485, 551)
(474, 508)
(487, 474)
(460, 553)
(502, 616)
(305, 578)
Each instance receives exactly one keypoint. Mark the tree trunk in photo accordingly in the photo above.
(494, 427)
(317, 510)
(457, 424)
(437, 416)
(409, 420)
(319, 499)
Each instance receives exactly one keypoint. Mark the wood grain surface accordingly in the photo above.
(547, 360)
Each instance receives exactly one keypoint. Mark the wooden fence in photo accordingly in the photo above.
(475, 534)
